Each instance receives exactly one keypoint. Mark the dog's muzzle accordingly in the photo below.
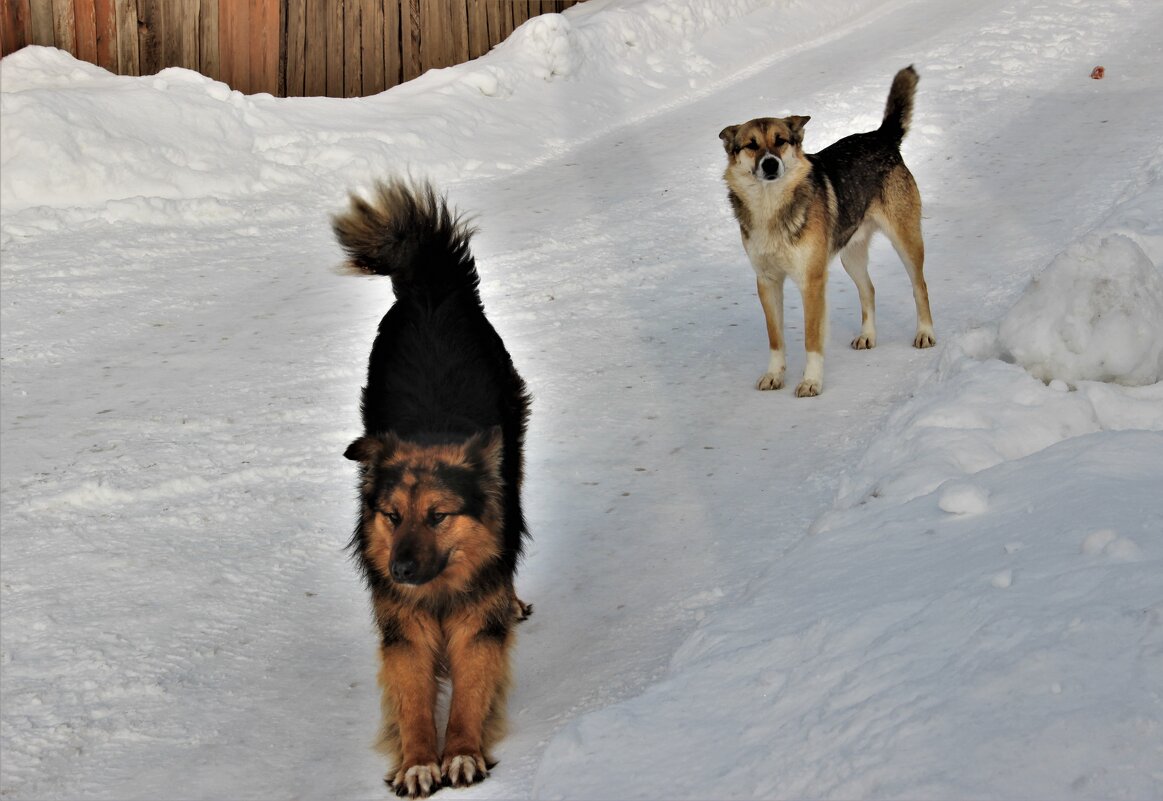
(769, 168)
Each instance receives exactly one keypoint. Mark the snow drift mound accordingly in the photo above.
(1094, 314)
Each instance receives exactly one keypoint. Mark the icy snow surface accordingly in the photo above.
(939, 579)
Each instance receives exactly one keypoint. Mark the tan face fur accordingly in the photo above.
(432, 512)
(766, 149)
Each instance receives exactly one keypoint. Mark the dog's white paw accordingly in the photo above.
(924, 339)
(864, 342)
(809, 388)
(465, 769)
(417, 781)
(769, 381)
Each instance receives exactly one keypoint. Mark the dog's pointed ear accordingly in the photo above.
(796, 123)
(484, 451)
(369, 449)
(727, 136)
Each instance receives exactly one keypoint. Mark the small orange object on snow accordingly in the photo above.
(1097, 73)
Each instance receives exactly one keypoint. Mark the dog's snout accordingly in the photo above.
(404, 570)
(770, 166)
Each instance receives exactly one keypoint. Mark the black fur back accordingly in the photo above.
(857, 165)
(438, 370)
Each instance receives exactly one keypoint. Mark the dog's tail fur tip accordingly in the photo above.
(898, 110)
(406, 232)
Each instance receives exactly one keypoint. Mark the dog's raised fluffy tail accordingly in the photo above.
(898, 111)
(408, 233)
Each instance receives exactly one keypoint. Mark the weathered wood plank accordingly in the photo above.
(233, 40)
(295, 48)
(150, 32)
(128, 45)
(434, 34)
(457, 52)
(14, 23)
(393, 47)
(105, 21)
(520, 13)
(64, 30)
(209, 54)
(372, 47)
(85, 29)
(315, 48)
(352, 52)
(335, 45)
(265, 34)
(40, 27)
(478, 28)
(410, 39)
(179, 34)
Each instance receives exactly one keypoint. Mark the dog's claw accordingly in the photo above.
(864, 342)
(521, 610)
(808, 389)
(418, 781)
(464, 769)
(924, 339)
(769, 381)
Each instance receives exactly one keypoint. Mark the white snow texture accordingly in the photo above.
(938, 579)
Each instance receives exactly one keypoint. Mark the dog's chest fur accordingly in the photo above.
(773, 221)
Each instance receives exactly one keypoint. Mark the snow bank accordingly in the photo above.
(979, 613)
(181, 135)
(1095, 314)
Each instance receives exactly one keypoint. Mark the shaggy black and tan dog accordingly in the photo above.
(440, 528)
(797, 210)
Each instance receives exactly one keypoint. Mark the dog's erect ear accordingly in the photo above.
(727, 135)
(369, 449)
(484, 451)
(796, 123)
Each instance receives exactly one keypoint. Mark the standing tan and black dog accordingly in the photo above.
(440, 527)
(797, 210)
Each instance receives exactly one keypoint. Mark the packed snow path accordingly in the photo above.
(181, 375)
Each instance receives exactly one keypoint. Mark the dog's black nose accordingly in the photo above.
(404, 570)
(770, 167)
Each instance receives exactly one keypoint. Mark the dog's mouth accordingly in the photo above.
(769, 168)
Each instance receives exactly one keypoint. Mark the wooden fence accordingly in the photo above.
(340, 48)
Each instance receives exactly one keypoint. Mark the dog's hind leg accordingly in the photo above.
(901, 222)
(771, 298)
(854, 257)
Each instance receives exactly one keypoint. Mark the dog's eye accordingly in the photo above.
(780, 141)
(436, 518)
(751, 146)
(393, 517)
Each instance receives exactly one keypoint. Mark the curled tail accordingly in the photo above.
(898, 111)
(408, 233)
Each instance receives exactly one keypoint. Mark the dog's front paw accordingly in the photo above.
(417, 781)
(464, 769)
(808, 388)
(769, 381)
(924, 339)
(864, 342)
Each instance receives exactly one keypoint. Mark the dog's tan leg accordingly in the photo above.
(815, 327)
(478, 657)
(771, 298)
(408, 681)
(854, 257)
(902, 225)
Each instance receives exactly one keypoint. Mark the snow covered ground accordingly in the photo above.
(939, 579)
